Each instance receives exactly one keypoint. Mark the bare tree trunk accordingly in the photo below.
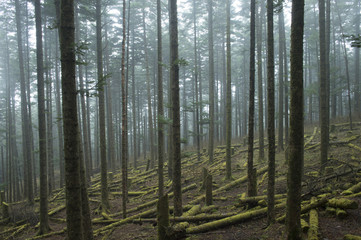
(252, 181)
(260, 84)
(124, 124)
(174, 76)
(44, 222)
(271, 114)
(228, 122)
(211, 82)
(296, 148)
(28, 183)
(101, 84)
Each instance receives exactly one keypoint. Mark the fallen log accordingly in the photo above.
(48, 235)
(56, 210)
(21, 228)
(226, 187)
(342, 203)
(228, 221)
(313, 229)
(351, 237)
(254, 200)
(306, 208)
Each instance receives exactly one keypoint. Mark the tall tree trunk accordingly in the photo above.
(280, 80)
(124, 124)
(160, 103)
(252, 181)
(323, 87)
(44, 219)
(174, 76)
(211, 82)
(70, 121)
(149, 101)
(270, 113)
(197, 103)
(28, 183)
(228, 95)
(357, 61)
(101, 115)
(293, 224)
(84, 117)
(260, 84)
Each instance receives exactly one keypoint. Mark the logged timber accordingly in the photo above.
(343, 203)
(256, 199)
(48, 234)
(226, 187)
(306, 208)
(124, 221)
(351, 237)
(228, 221)
(21, 228)
(313, 230)
(56, 210)
(354, 189)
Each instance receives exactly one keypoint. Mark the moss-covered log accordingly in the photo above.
(20, 229)
(226, 187)
(351, 237)
(341, 213)
(313, 230)
(306, 208)
(228, 221)
(354, 189)
(304, 225)
(48, 234)
(343, 203)
(56, 210)
(256, 199)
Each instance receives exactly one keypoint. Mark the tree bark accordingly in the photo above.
(211, 82)
(174, 76)
(44, 219)
(296, 143)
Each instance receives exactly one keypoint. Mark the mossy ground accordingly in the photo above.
(344, 161)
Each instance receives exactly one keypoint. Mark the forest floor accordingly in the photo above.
(343, 171)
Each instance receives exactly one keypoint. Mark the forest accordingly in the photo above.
(188, 119)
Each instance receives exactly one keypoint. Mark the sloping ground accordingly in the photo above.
(342, 172)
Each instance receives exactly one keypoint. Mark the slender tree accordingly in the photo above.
(160, 103)
(357, 61)
(296, 142)
(270, 113)
(28, 183)
(280, 79)
(260, 84)
(211, 81)
(174, 76)
(124, 122)
(229, 94)
(101, 114)
(44, 218)
(252, 185)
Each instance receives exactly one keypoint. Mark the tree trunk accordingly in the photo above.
(323, 87)
(101, 83)
(296, 143)
(270, 113)
(174, 76)
(44, 222)
(160, 104)
(228, 122)
(252, 180)
(70, 121)
(211, 81)
(260, 84)
(124, 124)
(28, 184)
